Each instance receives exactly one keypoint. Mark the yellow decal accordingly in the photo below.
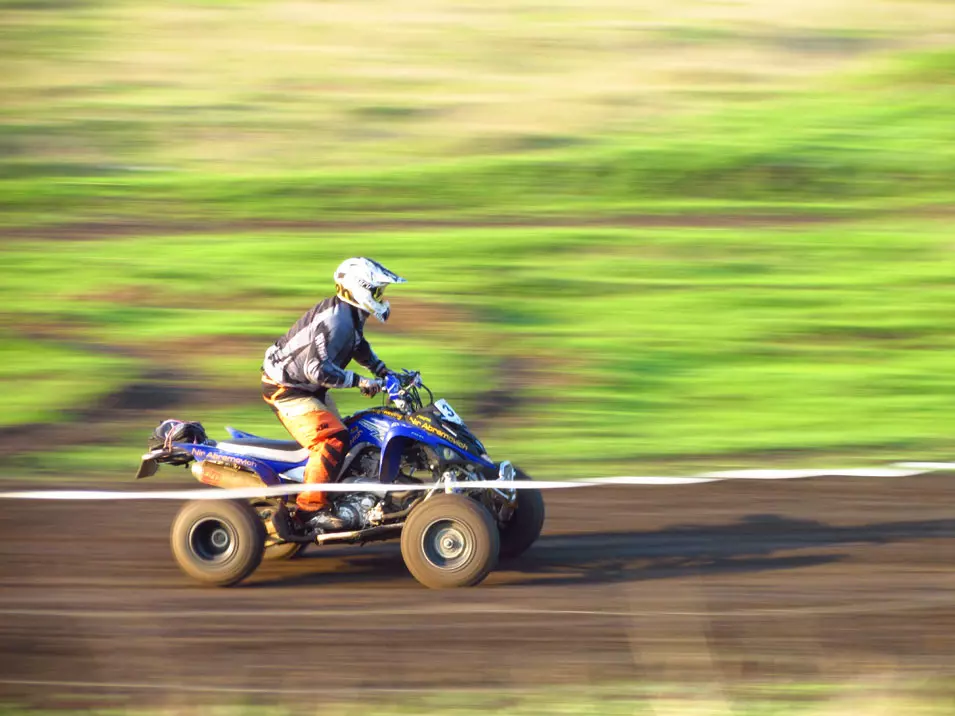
(387, 411)
(425, 425)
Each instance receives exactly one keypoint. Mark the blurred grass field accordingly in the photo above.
(638, 236)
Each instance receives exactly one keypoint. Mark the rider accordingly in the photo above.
(301, 366)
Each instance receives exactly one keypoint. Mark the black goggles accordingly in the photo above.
(378, 292)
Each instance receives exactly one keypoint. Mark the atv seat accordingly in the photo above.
(287, 451)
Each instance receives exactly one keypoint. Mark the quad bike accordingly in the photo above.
(451, 535)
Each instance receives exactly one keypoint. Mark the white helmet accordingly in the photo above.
(361, 282)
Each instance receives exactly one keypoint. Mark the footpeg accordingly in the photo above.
(282, 521)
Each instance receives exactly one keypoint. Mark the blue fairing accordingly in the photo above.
(387, 430)
(392, 435)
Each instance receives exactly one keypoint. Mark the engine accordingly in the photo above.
(357, 509)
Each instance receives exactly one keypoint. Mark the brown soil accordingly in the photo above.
(150, 296)
(414, 317)
(815, 581)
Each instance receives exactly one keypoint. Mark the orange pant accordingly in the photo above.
(316, 425)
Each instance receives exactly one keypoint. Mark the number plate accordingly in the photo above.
(447, 412)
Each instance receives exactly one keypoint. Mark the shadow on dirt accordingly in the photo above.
(752, 544)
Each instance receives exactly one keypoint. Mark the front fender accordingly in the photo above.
(398, 439)
(401, 436)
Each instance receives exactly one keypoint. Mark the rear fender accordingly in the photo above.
(266, 472)
(175, 454)
(148, 467)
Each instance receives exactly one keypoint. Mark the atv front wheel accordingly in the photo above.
(526, 523)
(450, 541)
(217, 543)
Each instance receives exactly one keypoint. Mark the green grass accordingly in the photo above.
(892, 141)
(625, 347)
(868, 141)
(638, 345)
(107, 86)
(42, 381)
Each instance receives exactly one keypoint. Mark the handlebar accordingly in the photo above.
(402, 389)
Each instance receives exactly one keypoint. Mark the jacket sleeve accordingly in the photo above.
(319, 369)
(366, 357)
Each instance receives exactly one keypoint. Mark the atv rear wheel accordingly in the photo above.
(450, 541)
(525, 525)
(217, 543)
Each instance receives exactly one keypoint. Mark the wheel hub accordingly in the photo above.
(446, 544)
(212, 540)
(450, 543)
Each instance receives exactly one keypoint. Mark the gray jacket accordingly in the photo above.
(314, 353)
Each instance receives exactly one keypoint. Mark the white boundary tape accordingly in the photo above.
(929, 466)
(908, 469)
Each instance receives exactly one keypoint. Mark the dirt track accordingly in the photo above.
(815, 580)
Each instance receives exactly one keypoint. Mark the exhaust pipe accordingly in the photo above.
(210, 473)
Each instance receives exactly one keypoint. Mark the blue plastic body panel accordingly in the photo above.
(386, 429)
